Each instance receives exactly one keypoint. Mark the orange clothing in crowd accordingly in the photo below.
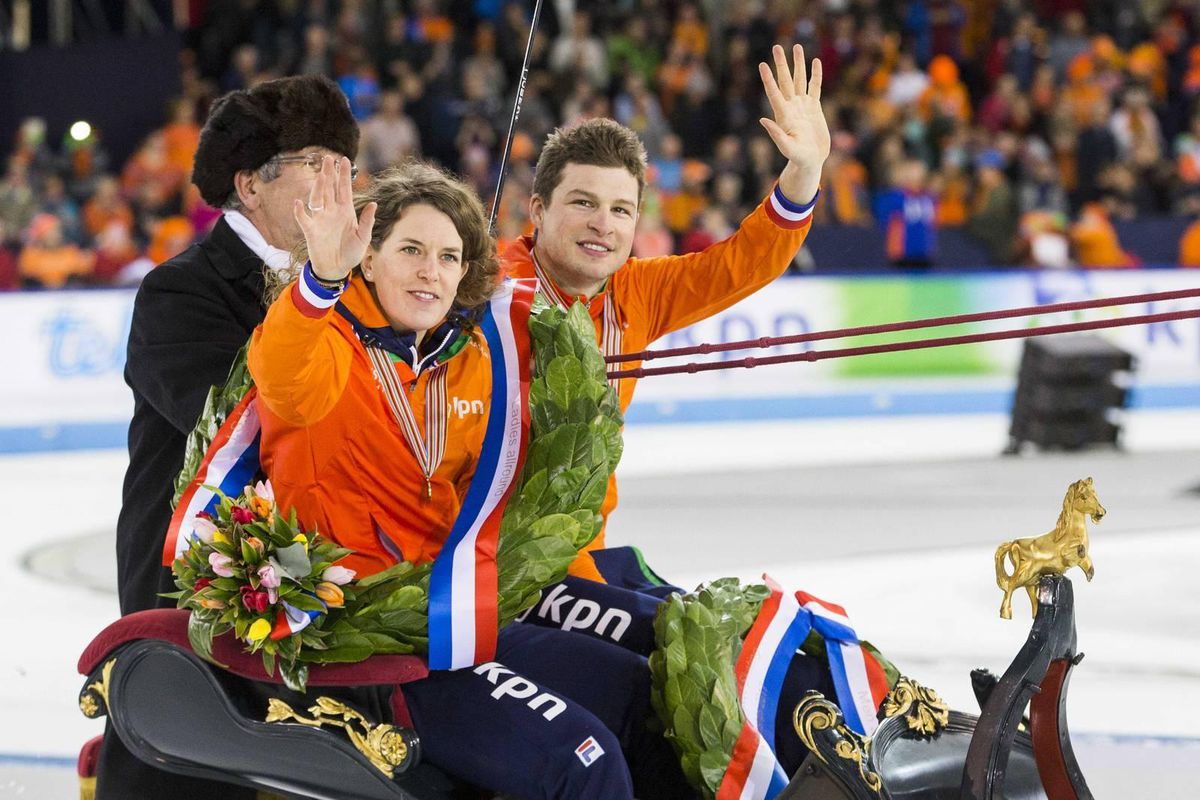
(171, 237)
(150, 180)
(331, 445)
(691, 36)
(952, 201)
(1082, 92)
(182, 140)
(1146, 62)
(1095, 240)
(647, 298)
(53, 266)
(945, 96)
(1189, 246)
(848, 190)
(1080, 99)
(97, 217)
(679, 209)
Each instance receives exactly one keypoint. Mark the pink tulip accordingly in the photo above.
(220, 564)
(267, 577)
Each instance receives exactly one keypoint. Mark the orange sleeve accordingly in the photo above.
(299, 360)
(671, 292)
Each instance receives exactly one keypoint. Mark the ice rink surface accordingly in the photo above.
(895, 519)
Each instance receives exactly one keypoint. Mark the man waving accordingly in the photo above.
(587, 192)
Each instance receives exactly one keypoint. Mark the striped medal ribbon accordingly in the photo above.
(430, 447)
(610, 326)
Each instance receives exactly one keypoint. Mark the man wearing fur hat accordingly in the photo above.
(259, 151)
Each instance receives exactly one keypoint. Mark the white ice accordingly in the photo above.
(1137, 621)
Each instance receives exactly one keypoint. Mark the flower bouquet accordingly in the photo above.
(250, 570)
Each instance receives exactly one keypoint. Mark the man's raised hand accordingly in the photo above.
(336, 238)
(799, 128)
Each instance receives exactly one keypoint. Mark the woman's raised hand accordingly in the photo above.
(336, 239)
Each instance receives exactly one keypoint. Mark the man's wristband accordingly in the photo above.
(787, 213)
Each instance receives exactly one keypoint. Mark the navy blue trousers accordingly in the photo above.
(622, 611)
(556, 715)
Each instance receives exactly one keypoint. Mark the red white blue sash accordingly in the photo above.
(777, 633)
(860, 682)
(782, 625)
(463, 601)
(229, 465)
(753, 772)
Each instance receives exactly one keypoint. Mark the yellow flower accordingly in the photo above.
(259, 630)
(261, 507)
(219, 536)
(331, 594)
(302, 539)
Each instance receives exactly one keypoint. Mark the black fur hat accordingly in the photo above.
(245, 129)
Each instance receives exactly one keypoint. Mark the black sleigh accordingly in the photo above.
(349, 736)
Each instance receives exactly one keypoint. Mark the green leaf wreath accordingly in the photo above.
(575, 444)
(698, 640)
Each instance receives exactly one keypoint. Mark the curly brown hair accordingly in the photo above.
(419, 183)
(409, 184)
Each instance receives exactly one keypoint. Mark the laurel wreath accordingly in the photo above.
(698, 639)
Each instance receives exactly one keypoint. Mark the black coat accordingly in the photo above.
(191, 316)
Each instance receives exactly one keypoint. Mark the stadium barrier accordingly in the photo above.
(65, 353)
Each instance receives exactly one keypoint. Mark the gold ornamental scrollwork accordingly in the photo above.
(924, 710)
(383, 745)
(815, 713)
(94, 699)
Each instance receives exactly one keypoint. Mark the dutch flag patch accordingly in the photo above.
(589, 751)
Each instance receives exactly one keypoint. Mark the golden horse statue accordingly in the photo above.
(1051, 553)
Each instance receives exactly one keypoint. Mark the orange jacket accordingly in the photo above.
(654, 296)
(332, 447)
(52, 267)
(1096, 242)
(1189, 246)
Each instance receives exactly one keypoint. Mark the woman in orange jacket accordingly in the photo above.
(374, 388)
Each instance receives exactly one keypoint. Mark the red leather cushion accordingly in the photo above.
(88, 754)
(170, 625)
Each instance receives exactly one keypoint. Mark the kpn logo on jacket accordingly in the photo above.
(463, 408)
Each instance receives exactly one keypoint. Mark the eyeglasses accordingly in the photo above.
(312, 161)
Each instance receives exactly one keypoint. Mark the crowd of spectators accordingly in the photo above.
(1031, 125)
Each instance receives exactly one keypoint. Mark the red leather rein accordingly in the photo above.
(918, 344)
